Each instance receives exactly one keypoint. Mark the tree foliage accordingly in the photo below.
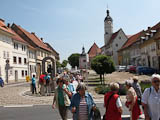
(102, 64)
(64, 63)
(58, 64)
(73, 59)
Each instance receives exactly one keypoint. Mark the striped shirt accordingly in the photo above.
(83, 112)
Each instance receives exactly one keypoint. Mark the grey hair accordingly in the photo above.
(155, 76)
(128, 83)
(114, 86)
(81, 86)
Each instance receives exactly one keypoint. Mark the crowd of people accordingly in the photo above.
(71, 95)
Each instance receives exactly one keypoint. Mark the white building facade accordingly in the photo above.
(20, 59)
(6, 53)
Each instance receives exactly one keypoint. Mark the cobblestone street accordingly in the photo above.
(19, 95)
(13, 95)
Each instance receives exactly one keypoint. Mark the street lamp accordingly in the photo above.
(7, 67)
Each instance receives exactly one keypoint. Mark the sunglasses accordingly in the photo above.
(156, 81)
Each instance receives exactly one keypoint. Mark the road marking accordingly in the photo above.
(17, 106)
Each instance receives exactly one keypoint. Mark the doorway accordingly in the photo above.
(16, 75)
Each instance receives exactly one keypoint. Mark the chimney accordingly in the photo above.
(33, 33)
(149, 28)
(41, 38)
(8, 25)
(2, 20)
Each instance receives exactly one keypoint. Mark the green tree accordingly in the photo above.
(102, 64)
(58, 64)
(64, 63)
(73, 59)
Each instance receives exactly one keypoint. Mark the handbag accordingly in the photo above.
(104, 116)
(139, 100)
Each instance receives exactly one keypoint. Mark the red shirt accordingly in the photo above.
(41, 79)
(112, 112)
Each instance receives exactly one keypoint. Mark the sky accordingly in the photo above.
(68, 25)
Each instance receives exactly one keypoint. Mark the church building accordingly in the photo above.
(113, 41)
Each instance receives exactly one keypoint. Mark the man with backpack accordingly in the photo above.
(47, 80)
(151, 99)
(42, 83)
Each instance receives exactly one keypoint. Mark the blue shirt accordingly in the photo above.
(33, 80)
(75, 101)
(71, 88)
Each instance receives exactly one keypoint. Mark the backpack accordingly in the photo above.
(96, 115)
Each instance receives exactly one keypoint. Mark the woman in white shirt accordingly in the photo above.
(151, 99)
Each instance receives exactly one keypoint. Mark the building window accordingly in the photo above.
(7, 54)
(23, 48)
(84, 60)
(25, 61)
(35, 68)
(119, 37)
(116, 45)
(41, 54)
(14, 59)
(26, 73)
(20, 60)
(22, 73)
(16, 46)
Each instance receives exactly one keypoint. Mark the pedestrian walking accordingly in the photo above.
(137, 88)
(112, 103)
(47, 79)
(132, 101)
(82, 104)
(42, 83)
(34, 85)
(151, 99)
(61, 99)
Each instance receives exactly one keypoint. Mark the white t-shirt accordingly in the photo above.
(152, 99)
(118, 103)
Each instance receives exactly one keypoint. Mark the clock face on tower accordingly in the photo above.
(109, 22)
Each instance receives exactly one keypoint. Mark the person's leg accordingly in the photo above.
(35, 90)
(32, 88)
(63, 112)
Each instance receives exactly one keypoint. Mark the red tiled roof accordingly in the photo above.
(35, 39)
(114, 35)
(17, 37)
(157, 26)
(5, 28)
(132, 40)
(94, 50)
(128, 36)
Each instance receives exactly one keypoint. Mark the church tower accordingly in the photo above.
(108, 28)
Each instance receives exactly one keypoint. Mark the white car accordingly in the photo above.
(120, 68)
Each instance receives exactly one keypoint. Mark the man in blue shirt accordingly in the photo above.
(34, 85)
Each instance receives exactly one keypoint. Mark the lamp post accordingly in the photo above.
(7, 67)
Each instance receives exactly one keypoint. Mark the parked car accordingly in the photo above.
(127, 68)
(120, 68)
(145, 70)
(132, 69)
